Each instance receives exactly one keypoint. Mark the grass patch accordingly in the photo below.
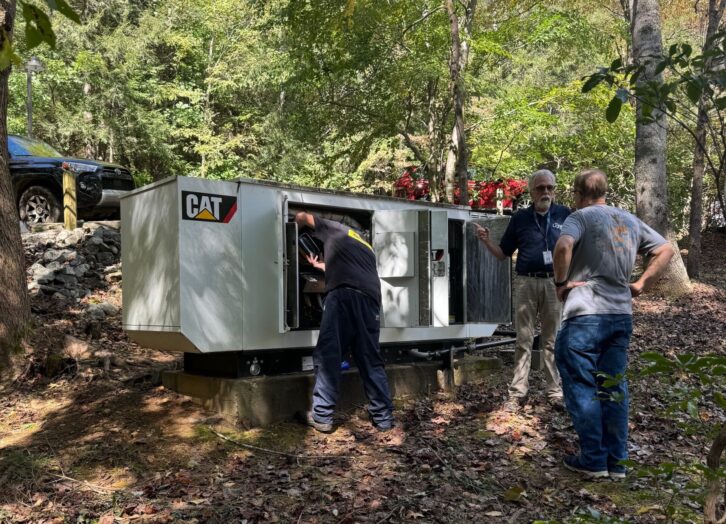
(283, 437)
(20, 468)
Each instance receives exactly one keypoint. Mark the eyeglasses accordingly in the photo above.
(543, 188)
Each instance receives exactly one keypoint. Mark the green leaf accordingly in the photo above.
(617, 64)
(692, 410)
(694, 90)
(613, 109)
(7, 54)
(721, 102)
(655, 357)
(63, 8)
(660, 67)
(592, 82)
(634, 77)
(685, 358)
(622, 94)
(37, 27)
(715, 360)
(673, 49)
(720, 400)
(608, 381)
(687, 49)
(513, 494)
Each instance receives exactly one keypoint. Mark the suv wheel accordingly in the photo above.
(39, 205)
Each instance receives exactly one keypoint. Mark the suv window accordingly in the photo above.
(21, 146)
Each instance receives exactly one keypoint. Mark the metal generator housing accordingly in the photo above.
(213, 267)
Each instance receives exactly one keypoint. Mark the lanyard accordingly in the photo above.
(546, 232)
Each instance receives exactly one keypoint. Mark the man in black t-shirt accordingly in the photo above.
(351, 318)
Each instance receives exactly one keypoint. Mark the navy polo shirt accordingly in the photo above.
(526, 234)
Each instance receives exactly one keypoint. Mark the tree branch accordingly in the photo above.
(413, 147)
(273, 452)
(713, 489)
(416, 22)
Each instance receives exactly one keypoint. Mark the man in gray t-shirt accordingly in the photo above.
(593, 260)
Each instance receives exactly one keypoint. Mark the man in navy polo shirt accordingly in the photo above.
(533, 233)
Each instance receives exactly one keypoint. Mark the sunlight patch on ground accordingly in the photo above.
(110, 478)
(445, 411)
(20, 424)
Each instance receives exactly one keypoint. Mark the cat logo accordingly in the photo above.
(207, 207)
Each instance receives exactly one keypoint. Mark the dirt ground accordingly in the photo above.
(100, 441)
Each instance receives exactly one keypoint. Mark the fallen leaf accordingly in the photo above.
(514, 494)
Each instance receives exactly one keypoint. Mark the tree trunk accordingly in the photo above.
(458, 156)
(14, 305)
(207, 107)
(435, 136)
(651, 185)
(714, 485)
(651, 196)
(695, 224)
(695, 220)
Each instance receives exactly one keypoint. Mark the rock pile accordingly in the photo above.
(69, 265)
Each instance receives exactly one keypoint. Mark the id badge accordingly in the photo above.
(547, 256)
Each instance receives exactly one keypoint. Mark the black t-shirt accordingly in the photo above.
(349, 259)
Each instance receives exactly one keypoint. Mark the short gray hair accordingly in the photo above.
(538, 173)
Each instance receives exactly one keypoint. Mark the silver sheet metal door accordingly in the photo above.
(489, 281)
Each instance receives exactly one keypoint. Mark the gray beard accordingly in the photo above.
(542, 207)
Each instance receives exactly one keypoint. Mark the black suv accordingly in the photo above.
(36, 172)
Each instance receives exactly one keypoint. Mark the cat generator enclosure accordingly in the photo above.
(213, 266)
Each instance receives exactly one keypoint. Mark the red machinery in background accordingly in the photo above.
(482, 194)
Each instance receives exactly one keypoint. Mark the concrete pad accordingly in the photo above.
(259, 401)
(474, 369)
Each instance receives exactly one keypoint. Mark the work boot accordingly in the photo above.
(556, 403)
(381, 428)
(512, 405)
(322, 427)
(617, 472)
(572, 462)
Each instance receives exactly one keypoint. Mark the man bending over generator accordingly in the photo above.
(351, 319)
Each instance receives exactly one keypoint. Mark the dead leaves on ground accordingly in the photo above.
(457, 459)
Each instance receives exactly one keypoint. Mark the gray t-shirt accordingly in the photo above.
(607, 239)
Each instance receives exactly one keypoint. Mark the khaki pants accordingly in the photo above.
(532, 297)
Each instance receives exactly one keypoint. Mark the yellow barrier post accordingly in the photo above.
(70, 213)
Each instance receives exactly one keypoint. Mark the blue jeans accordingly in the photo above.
(586, 346)
(350, 320)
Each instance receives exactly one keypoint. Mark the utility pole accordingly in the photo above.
(31, 66)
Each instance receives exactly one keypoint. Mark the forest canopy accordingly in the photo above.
(342, 94)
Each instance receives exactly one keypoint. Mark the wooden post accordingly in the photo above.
(70, 213)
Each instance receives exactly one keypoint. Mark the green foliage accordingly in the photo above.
(697, 381)
(589, 515)
(321, 93)
(38, 29)
(690, 81)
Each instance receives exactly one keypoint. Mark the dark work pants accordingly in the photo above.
(350, 320)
